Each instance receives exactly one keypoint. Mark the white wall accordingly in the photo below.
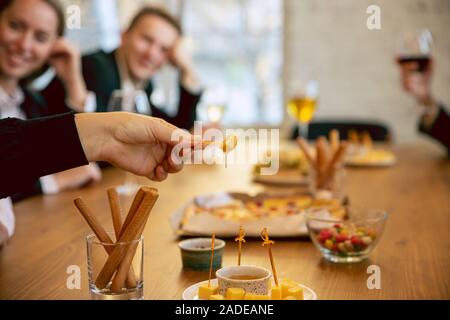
(355, 66)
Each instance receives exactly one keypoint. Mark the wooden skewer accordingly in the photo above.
(267, 242)
(213, 241)
(227, 145)
(131, 232)
(100, 233)
(240, 239)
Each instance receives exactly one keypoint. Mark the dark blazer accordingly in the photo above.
(101, 74)
(32, 148)
(33, 106)
(440, 130)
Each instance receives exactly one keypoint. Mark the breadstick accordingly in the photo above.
(337, 158)
(334, 140)
(301, 142)
(116, 214)
(100, 233)
(321, 161)
(131, 232)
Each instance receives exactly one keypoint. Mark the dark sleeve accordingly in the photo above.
(36, 189)
(187, 110)
(34, 148)
(440, 130)
(55, 97)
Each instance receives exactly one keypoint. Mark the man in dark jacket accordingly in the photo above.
(152, 40)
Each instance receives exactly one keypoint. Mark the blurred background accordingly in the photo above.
(252, 54)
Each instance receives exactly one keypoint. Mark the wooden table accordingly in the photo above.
(413, 254)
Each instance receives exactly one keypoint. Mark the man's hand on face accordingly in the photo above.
(181, 58)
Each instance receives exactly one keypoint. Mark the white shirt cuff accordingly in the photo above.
(90, 105)
(49, 185)
(7, 218)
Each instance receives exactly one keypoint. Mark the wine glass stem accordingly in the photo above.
(303, 130)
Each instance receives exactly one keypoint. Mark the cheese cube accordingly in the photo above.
(205, 292)
(235, 294)
(250, 296)
(285, 286)
(290, 298)
(296, 292)
(261, 297)
(216, 297)
(275, 293)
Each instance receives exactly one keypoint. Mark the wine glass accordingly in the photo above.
(302, 105)
(415, 47)
(131, 101)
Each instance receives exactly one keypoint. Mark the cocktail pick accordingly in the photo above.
(240, 239)
(267, 242)
(212, 257)
(227, 145)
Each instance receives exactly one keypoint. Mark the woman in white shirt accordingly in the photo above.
(31, 37)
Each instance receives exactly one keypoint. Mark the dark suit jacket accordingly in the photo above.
(33, 107)
(101, 74)
(440, 130)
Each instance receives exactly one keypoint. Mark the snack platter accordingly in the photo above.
(223, 213)
(191, 293)
(293, 169)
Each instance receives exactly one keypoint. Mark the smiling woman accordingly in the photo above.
(28, 32)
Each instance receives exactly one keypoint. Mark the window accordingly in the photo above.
(237, 47)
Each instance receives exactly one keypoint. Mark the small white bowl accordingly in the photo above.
(260, 285)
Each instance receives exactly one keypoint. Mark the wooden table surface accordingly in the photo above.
(413, 253)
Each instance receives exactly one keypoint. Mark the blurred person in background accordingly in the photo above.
(153, 39)
(31, 36)
(435, 120)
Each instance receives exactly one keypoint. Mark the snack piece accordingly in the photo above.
(285, 286)
(290, 298)
(296, 292)
(235, 294)
(275, 293)
(216, 297)
(344, 239)
(229, 143)
(250, 296)
(262, 297)
(205, 292)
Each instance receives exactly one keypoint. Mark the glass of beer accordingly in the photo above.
(302, 106)
(414, 47)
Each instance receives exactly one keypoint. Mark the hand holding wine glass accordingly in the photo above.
(416, 64)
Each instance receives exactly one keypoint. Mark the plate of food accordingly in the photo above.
(371, 158)
(223, 213)
(305, 293)
(293, 169)
(364, 154)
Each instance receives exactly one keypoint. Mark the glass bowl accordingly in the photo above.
(348, 240)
